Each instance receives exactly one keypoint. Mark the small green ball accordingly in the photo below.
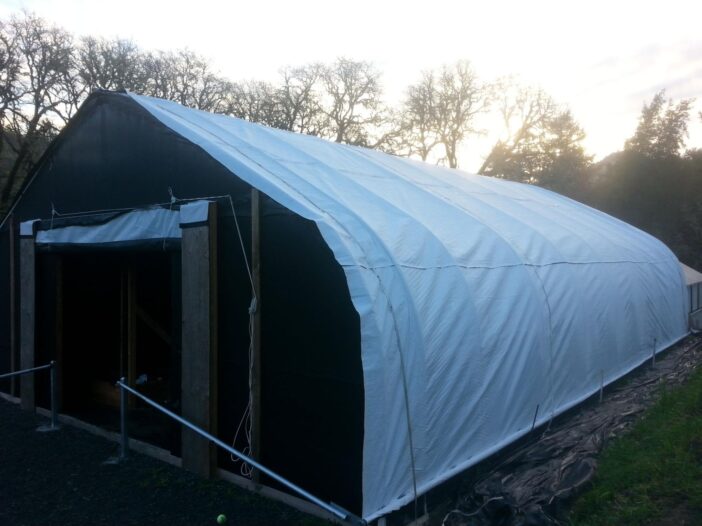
(221, 518)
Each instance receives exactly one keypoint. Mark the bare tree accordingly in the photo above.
(339, 101)
(10, 89)
(299, 100)
(541, 142)
(158, 73)
(418, 118)
(352, 102)
(524, 112)
(46, 91)
(441, 109)
(388, 136)
(460, 98)
(254, 101)
(111, 65)
(187, 78)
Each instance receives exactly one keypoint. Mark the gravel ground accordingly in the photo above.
(60, 478)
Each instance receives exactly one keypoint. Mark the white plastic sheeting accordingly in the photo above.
(484, 304)
(194, 213)
(138, 225)
(133, 226)
(692, 277)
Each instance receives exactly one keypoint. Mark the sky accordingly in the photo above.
(603, 59)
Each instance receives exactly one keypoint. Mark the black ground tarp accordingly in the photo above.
(535, 483)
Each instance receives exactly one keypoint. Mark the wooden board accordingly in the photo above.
(199, 344)
(131, 332)
(13, 307)
(27, 320)
(59, 332)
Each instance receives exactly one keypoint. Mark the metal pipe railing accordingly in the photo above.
(332, 508)
(52, 387)
(26, 371)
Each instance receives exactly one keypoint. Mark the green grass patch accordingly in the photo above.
(654, 473)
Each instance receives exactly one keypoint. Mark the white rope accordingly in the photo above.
(243, 250)
(246, 423)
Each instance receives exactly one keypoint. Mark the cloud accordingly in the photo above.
(648, 65)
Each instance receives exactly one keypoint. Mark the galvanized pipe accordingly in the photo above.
(335, 510)
(124, 438)
(26, 371)
(52, 390)
(52, 386)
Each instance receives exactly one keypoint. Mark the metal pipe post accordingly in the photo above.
(124, 439)
(54, 408)
(24, 371)
(332, 508)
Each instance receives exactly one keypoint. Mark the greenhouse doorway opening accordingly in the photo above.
(116, 314)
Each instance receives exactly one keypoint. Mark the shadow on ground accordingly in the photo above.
(59, 478)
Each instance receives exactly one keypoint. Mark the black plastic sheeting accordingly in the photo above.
(538, 481)
(114, 155)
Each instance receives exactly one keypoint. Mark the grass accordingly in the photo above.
(652, 475)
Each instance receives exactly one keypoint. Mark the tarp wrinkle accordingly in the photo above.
(445, 264)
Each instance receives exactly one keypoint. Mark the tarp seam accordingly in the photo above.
(494, 267)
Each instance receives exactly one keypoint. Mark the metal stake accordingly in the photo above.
(124, 439)
(53, 426)
(54, 408)
(533, 423)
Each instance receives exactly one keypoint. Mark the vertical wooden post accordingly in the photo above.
(13, 307)
(199, 336)
(122, 324)
(131, 332)
(59, 333)
(256, 365)
(175, 354)
(27, 312)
